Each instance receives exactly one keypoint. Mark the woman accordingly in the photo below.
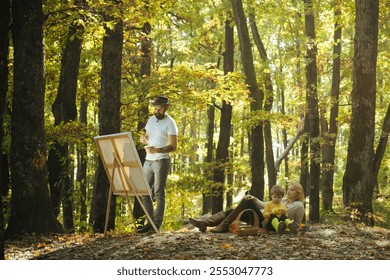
(222, 220)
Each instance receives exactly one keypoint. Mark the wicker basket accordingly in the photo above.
(245, 229)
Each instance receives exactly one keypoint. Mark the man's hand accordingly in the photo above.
(143, 139)
(151, 150)
(248, 197)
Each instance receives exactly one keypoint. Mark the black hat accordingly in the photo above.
(160, 100)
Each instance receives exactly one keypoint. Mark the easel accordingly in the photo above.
(124, 171)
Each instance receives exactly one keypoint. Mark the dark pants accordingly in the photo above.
(247, 216)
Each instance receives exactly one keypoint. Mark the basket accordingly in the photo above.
(245, 229)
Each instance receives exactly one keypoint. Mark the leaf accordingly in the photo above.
(226, 246)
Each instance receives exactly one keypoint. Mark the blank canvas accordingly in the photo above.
(128, 177)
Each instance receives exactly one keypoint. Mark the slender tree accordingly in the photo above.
(109, 116)
(82, 160)
(222, 155)
(312, 112)
(145, 70)
(358, 180)
(32, 210)
(207, 203)
(255, 93)
(381, 148)
(330, 135)
(269, 153)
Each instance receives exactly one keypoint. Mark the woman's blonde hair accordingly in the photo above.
(299, 190)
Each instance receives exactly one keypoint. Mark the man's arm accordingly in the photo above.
(144, 138)
(171, 147)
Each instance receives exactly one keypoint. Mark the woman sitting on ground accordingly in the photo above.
(222, 220)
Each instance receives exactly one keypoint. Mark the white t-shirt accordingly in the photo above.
(158, 131)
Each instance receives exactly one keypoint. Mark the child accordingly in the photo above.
(275, 212)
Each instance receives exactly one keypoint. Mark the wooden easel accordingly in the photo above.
(118, 166)
(124, 171)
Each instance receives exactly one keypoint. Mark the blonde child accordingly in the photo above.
(275, 212)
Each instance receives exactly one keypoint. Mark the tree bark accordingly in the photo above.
(358, 180)
(207, 202)
(32, 210)
(145, 70)
(64, 111)
(257, 141)
(82, 159)
(269, 153)
(222, 154)
(109, 117)
(312, 113)
(381, 148)
(5, 15)
(290, 145)
(330, 136)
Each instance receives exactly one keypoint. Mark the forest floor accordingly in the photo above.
(322, 242)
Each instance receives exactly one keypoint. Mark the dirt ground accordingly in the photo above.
(322, 242)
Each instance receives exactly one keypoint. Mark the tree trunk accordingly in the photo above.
(5, 11)
(290, 145)
(329, 146)
(64, 111)
(269, 153)
(145, 70)
(257, 142)
(222, 155)
(381, 148)
(304, 174)
(312, 113)
(109, 117)
(358, 181)
(207, 204)
(82, 159)
(32, 210)
(4, 52)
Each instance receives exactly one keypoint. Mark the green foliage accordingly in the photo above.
(71, 132)
(187, 53)
(381, 207)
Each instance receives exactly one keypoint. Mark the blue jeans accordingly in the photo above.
(156, 173)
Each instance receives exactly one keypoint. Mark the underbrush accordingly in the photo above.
(381, 215)
(381, 207)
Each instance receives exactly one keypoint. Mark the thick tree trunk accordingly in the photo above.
(32, 210)
(4, 52)
(109, 117)
(257, 141)
(65, 111)
(312, 113)
(5, 15)
(358, 181)
(330, 136)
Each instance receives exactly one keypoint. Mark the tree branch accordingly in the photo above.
(300, 131)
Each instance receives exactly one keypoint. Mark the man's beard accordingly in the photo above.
(159, 116)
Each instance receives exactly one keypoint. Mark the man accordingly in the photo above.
(160, 138)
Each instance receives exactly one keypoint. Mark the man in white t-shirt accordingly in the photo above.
(160, 138)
